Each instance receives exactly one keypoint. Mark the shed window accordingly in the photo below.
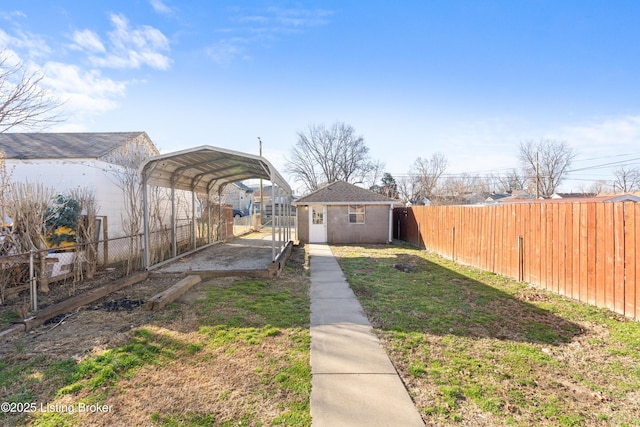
(356, 214)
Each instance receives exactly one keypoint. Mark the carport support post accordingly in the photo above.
(208, 216)
(279, 222)
(193, 217)
(145, 223)
(288, 213)
(174, 249)
(273, 218)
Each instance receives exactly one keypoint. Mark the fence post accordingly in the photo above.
(453, 243)
(32, 283)
(520, 259)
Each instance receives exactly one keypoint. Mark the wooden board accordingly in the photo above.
(158, 301)
(47, 313)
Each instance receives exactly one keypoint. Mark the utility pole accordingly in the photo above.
(262, 210)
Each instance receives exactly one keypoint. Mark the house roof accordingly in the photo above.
(572, 195)
(243, 186)
(90, 145)
(340, 192)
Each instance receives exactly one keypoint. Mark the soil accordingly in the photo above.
(92, 328)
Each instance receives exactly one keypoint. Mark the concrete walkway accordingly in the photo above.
(353, 382)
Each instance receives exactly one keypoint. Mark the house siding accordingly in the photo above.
(303, 223)
(374, 230)
(340, 231)
(237, 197)
(97, 177)
(65, 175)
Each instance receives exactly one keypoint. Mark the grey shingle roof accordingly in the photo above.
(62, 145)
(342, 192)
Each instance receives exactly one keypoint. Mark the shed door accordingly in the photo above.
(317, 224)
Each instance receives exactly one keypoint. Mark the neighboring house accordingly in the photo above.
(266, 198)
(239, 196)
(517, 196)
(494, 197)
(419, 202)
(96, 162)
(344, 213)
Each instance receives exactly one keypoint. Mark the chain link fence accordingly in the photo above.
(120, 256)
(37, 271)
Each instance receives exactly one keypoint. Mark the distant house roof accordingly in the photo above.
(88, 145)
(340, 192)
(242, 186)
(517, 196)
(572, 195)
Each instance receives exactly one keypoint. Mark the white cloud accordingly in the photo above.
(227, 50)
(87, 39)
(86, 92)
(160, 7)
(301, 18)
(258, 28)
(129, 47)
(26, 44)
(617, 134)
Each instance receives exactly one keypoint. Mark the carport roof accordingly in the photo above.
(205, 168)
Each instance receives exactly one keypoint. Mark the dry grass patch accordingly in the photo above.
(474, 348)
(229, 352)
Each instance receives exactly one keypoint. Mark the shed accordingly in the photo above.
(340, 212)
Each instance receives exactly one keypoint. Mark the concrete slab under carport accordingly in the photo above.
(249, 255)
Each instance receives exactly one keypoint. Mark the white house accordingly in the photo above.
(239, 196)
(92, 161)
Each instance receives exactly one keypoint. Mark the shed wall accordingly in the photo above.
(303, 223)
(374, 230)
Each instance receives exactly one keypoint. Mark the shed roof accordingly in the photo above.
(205, 168)
(87, 145)
(340, 192)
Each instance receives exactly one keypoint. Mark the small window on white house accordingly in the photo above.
(356, 214)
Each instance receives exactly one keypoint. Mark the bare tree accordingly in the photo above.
(511, 182)
(86, 233)
(28, 206)
(456, 189)
(407, 190)
(126, 161)
(599, 187)
(626, 179)
(546, 164)
(425, 174)
(24, 103)
(326, 154)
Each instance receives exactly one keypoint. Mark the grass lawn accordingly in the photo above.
(235, 354)
(474, 348)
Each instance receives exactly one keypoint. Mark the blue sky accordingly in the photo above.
(470, 79)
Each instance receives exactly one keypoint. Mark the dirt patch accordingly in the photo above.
(89, 329)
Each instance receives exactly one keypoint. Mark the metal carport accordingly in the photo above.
(206, 170)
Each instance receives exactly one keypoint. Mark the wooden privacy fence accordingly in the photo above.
(587, 251)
